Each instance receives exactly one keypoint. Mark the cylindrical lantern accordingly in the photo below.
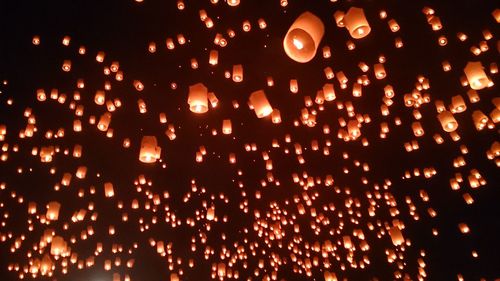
(226, 127)
(198, 98)
(447, 121)
(149, 152)
(303, 37)
(476, 76)
(356, 23)
(260, 104)
(53, 210)
(237, 73)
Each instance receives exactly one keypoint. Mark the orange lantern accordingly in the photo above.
(303, 37)
(356, 23)
(198, 98)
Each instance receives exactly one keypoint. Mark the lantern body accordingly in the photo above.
(356, 23)
(260, 104)
(198, 98)
(303, 37)
(447, 121)
(476, 76)
(149, 152)
(53, 210)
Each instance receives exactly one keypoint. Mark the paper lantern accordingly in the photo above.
(213, 57)
(447, 121)
(149, 152)
(104, 121)
(226, 127)
(329, 92)
(198, 98)
(260, 104)
(396, 236)
(108, 189)
(476, 76)
(356, 23)
(53, 208)
(237, 73)
(303, 37)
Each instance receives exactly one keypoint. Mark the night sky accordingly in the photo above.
(345, 188)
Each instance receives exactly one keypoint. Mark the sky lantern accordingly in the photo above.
(53, 208)
(303, 37)
(150, 151)
(260, 104)
(447, 121)
(476, 76)
(356, 23)
(198, 98)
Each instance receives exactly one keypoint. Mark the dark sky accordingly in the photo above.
(187, 189)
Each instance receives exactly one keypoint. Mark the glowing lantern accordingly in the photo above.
(396, 236)
(356, 23)
(149, 152)
(379, 71)
(329, 92)
(197, 99)
(303, 37)
(53, 210)
(108, 189)
(260, 104)
(237, 73)
(476, 76)
(226, 126)
(213, 57)
(457, 104)
(104, 121)
(276, 116)
(447, 121)
(233, 3)
(99, 97)
(211, 213)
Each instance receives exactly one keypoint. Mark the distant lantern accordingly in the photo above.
(211, 213)
(339, 18)
(66, 66)
(396, 236)
(53, 210)
(276, 116)
(226, 127)
(104, 121)
(108, 190)
(303, 37)
(233, 3)
(99, 97)
(260, 104)
(198, 98)
(213, 57)
(329, 92)
(447, 121)
(379, 71)
(149, 152)
(476, 76)
(356, 23)
(237, 73)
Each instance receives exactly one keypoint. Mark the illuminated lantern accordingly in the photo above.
(226, 126)
(339, 18)
(213, 57)
(353, 129)
(328, 92)
(476, 76)
(393, 25)
(294, 86)
(379, 71)
(260, 104)
(330, 276)
(211, 213)
(496, 15)
(104, 121)
(447, 121)
(149, 152)
(53, 208)
(457, 104)
(356, 23)
(58, 246)
(396, 236)
(214, 101)
(237, 73)
(99, 97)
(108, 189)
(233, 3)
(66, 67)
(418, 131)
(197, 99)
(276, 116)
(303, 37)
